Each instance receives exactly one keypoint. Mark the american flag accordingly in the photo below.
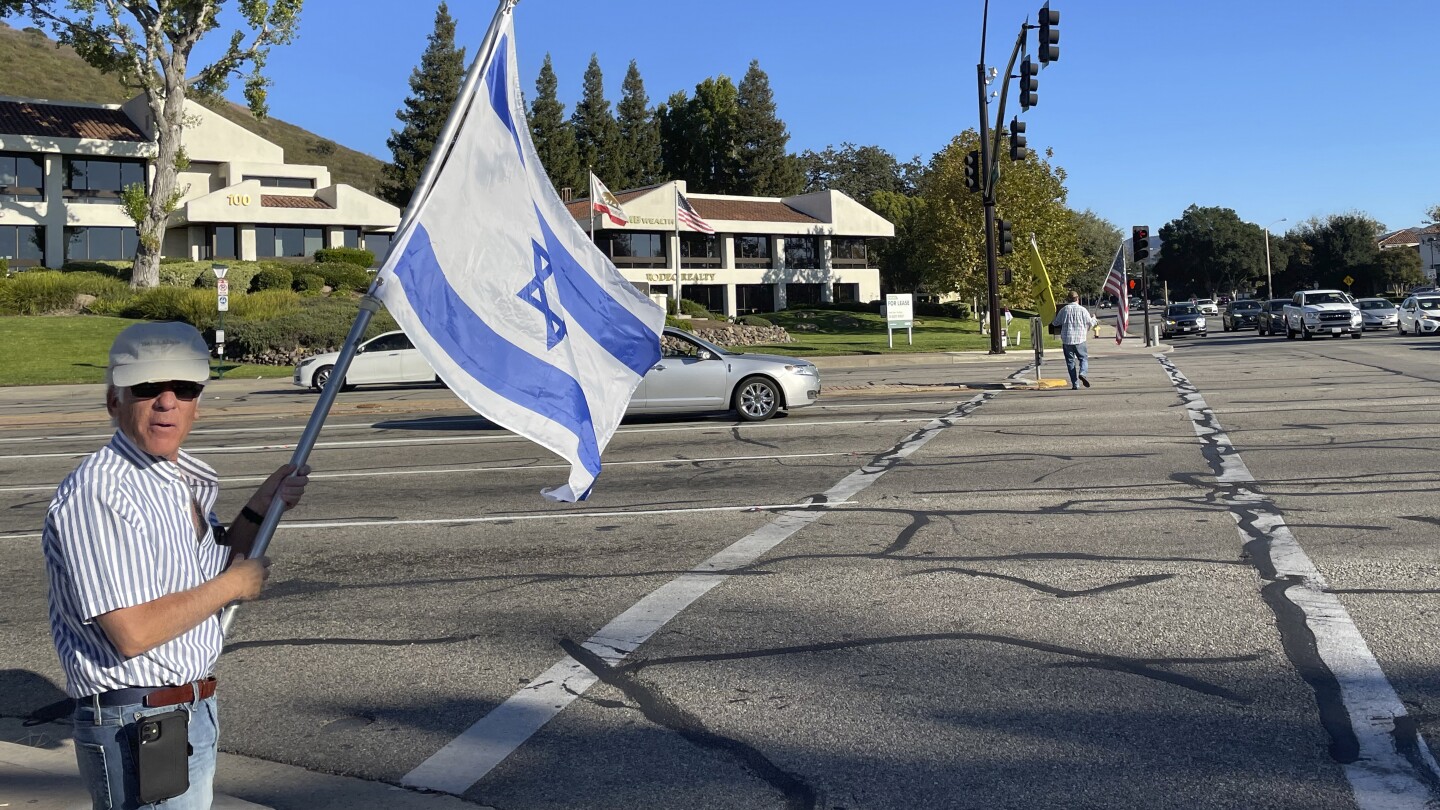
(687, 216)
(1115, 285)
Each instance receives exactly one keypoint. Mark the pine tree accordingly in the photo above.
(553, 137)
(639, 134)
(596, 134)
(434, 86)
(764, 168)
(697, 137)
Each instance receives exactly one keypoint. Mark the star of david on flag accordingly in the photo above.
(506, 297)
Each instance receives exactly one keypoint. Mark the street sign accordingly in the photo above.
(224, 302)
(219, 335)
(1348, 281)
(899, 314)
(222, 286)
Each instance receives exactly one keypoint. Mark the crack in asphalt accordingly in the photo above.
(1062, 593)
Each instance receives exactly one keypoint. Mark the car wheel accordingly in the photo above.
(1357, 335)
(322, 376)
(1289, 333)
(1305, 332)
(756, 399)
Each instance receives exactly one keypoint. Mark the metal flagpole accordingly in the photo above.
(592, 205)
(369, 303)
(676, 200)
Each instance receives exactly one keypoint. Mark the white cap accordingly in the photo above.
(158, 352)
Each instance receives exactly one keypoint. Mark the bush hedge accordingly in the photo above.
(309, 283)
(316, 325)
(342, 277)
(359, 257)
(755, 320)
(272, 277)
(44, 292)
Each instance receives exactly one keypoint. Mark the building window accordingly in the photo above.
(804, 295)
(100, 244)
(22, 245)
(699, 250)
(634, 248)
(350, 237)
(845, 293)
(100, 180)
(848, 251)
(22, 178)
(802, 252)
(711, 296)
(752, 298)
(752, 251)
(281, 182)
(277, 241)
(379, 244)
(220, 241)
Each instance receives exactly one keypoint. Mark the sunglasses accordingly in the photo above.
(182, 389)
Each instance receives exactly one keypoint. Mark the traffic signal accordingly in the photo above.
(1007, 239)
(1132, 283)
(1140, 242)
(1017, 139)
(1049, 35)
(972, 171)
(1028, 84)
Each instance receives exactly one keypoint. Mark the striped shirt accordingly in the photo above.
(121, 532)
(1075, 323)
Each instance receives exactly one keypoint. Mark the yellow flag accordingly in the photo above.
(1044, 293)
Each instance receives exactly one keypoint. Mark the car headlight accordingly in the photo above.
(1169, 323)
(307, 361)
(804, 370)
(1312, 316)
(1199, 321)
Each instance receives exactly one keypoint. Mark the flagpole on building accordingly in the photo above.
(592, 204)
(676, 199)
(369, 304)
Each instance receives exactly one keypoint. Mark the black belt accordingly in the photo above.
(155, 696)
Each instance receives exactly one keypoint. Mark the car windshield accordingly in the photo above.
(1325, 298)
(1277, 304)
(1374, 303)
(1428, 304)
(1204, 301)
(1246, 305)
(1183, 309)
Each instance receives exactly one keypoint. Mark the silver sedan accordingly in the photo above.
(693, 375)
(1378, 313)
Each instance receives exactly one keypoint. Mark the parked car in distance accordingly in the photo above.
(1419, 315)
(1207, 306)
(1378, 313)
(1240, 315)
(693, 375)
(1183, 319)
(1271, 318)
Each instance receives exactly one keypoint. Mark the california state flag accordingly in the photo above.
(602, 201)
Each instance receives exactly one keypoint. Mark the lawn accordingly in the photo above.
(47, 349)
(826, 333)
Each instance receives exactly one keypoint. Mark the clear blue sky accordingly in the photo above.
(1275, 109)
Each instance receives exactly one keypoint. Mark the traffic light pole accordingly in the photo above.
(1145, 300)
(987, 187)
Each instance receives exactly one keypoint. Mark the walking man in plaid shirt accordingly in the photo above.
(1075, 323)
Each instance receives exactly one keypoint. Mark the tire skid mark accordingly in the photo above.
(1387, 763)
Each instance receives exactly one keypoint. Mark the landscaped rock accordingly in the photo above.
(738, 335)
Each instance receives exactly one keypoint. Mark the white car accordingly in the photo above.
(1208, 306)
(693, 375)
(1420, 315)
(1378, 313)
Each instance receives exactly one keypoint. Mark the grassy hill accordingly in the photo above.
(34, 66)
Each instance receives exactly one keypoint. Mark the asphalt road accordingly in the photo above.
(992, 600)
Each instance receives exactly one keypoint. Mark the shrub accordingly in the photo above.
(271, 277)
(309, 283)
(120, 270)
(341, 276)
(359, 257)
(695, 309)
(36, 293)
(263, 305)
(316, 325)
(679, 324)
(4, 267)
(163, 304)
(755, 320)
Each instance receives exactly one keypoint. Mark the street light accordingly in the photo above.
(1269, 282)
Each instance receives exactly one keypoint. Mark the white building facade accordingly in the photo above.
(63, 166)
(766, 253)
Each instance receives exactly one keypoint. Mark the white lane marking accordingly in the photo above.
(503, 436)
(470, 756)
(1382, 777)
(314, 476)
(558, 515)
(400, 424)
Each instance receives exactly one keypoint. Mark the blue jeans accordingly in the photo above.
(1077, 362)
(106, 754)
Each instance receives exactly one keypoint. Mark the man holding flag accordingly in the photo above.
(1115, 284)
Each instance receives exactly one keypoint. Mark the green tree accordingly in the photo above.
(596, 133)
(763, 167)
(1031, 196)
(638, 159)
(1395, 270)
(1208, 250)
(434, 86)
(1432, 215)
(860, 172)
(148, 45)
(1343, 245)
(1097, 239)
(697, 137)
(901, 257)
(554, 139)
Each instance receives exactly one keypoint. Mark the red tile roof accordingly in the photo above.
(290, 201)
(66, 121)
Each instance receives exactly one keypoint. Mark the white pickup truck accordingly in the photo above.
(1322, 312)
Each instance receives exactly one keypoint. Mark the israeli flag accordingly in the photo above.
(506, 297)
